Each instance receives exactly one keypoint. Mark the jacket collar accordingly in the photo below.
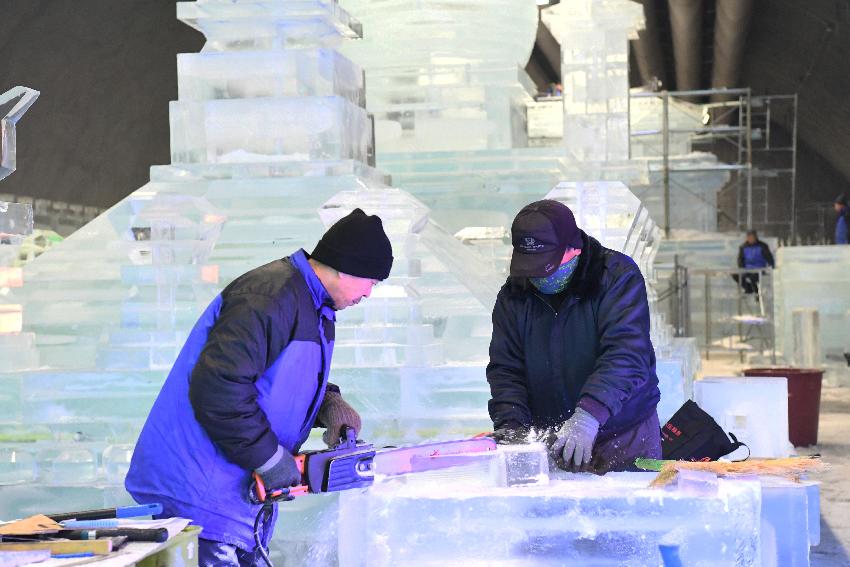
(318, 292)
(588, 278)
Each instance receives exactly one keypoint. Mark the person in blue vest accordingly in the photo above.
(570, 355)
(249, 384)
(842, 221)
(753, 254)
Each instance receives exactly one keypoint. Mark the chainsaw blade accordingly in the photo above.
(429, 456)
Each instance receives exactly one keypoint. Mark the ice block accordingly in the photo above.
(611, 520)
(754, 409)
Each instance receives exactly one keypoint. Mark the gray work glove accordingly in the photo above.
(334, 414)
(574, 443)
(280, 471)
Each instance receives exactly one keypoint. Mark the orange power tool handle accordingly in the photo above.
(300, 490)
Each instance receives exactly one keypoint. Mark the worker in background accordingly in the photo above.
(842, 222)
(250, 383)
(753, 255)
(570, 351)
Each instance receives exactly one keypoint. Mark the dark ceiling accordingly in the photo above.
(789, 46)
(773, 47)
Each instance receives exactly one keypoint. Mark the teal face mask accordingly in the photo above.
(558, 280)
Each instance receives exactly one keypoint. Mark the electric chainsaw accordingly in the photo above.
(353, 464)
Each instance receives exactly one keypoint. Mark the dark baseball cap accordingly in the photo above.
(541, 233)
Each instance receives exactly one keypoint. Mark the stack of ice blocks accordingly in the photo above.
(448, 90)
(446, 75)
(594, 39)
(814, 277)
(17, 348)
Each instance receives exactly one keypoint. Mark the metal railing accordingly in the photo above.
(736, 308)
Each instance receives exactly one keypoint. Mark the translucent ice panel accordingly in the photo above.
(806, 323)
(451, 31)
(427, 519)
(268, 129)
(809, 277)
(790, 521)
(13, 104)
(258, 74)
(16, 222)
(17, 350)
(594, 70)
(268, 24)
(257, 176)
(754, 409)
(446, 75)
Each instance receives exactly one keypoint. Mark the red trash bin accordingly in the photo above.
(804, 386)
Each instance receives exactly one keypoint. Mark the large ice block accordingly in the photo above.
(426, 519)
(810, 277)
(790, 523)
(268, 129)
(754, 409)
(806, 338)
(260, 74)
(268, 24)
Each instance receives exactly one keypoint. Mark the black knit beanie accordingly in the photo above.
(356, 245)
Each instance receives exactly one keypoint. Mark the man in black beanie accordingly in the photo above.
(250, 383)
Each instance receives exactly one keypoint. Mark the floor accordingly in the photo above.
(834, 447)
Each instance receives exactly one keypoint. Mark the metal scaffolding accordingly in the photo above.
(741, 131)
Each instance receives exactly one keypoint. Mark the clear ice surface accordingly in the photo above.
(435, 518)
(811, 277)
(754, 409)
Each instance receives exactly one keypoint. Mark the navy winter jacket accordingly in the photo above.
(251, 375)
(592, 351)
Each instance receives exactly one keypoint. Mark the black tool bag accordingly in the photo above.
(693, 435)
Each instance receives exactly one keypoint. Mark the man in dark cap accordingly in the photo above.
(842, 222)
(250, 383)
(570, 353)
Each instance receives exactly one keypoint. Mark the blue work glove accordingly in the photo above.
(280, 471)
(574, 442)
(334, 414)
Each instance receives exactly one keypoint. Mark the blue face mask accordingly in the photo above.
(558, 280)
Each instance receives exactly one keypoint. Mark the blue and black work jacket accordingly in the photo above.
(755, 256)
(251, 376)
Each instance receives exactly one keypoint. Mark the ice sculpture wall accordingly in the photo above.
(811, 277)
(269, 139)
